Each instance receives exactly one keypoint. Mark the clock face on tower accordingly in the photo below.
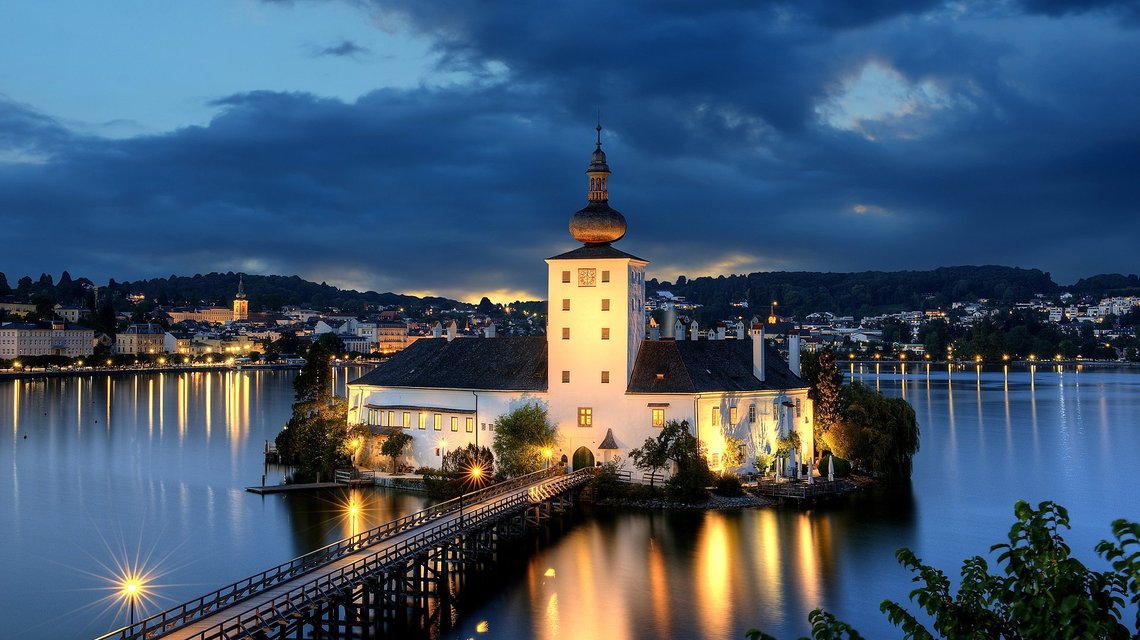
(587, 277)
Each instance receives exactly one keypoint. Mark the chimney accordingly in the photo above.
(437, 331)
(489, 331)
(740, 330)
(654, 332)
(452, 328)
(695, 329)
(757, 334)
(794, 353)
(678, 330)
(720, 331)
(669, 323)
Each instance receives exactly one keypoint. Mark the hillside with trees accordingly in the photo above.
(859, 294)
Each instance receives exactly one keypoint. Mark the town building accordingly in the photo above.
(22, 339)
(139, 339)
(241, 305)
(606, 384)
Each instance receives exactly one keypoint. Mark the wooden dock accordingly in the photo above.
(800, 492)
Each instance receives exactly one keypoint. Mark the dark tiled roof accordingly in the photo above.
(597, 251)
(695, 366)
(494, 364)
(608, 442)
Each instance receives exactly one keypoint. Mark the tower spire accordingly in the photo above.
(598, 172)
(241, 287)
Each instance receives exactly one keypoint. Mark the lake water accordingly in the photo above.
(102, 474)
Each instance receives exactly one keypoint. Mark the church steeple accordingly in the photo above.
(241, 287)
(598, 224)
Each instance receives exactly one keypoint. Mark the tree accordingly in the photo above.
(520, 437)
(826, 383)
(463, 460)
(394, 446)
(1041, 591)
(314, 438)
(875, 433)
(651, 457)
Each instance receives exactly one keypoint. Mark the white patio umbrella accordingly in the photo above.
(831, 468)
(796, 462)
(811, 475)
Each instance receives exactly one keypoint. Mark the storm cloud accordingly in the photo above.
(743, 136)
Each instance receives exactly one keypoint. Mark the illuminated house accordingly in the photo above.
(605, 385)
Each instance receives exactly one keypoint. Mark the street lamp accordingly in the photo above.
(547, 453)
(132, 590)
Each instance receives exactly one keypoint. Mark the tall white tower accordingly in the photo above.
(596, 316)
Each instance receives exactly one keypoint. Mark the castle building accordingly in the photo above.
(606, 385)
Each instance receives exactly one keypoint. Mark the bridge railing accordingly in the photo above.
(315, 590)
(232, 593)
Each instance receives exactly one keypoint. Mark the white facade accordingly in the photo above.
(43, 339)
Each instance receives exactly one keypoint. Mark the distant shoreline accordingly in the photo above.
(110, 371)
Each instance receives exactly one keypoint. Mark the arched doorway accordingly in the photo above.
(583, 458)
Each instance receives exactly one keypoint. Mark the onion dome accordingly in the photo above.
(597, 223)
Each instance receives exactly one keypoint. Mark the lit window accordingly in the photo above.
(566, 304)
(716, 460)
(605, 276)
(565, 377)
(605, 304)
(658, 417)
(605, 333)
(732, 415)
(470, 425)
(716, 416)
(438, 422)
(391, 418)
(605, 377)
(565, 333)
(407, 424)
(423, 420)
(797, 407)
(752, 413)
(565, 277)
(587, 277)
(454, 423)
(585, 417)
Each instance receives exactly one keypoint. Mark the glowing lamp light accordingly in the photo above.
(476, 472)
(547, 453)
(482, 627)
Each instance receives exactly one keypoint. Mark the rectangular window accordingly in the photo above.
(471, 425)
(752, 413)
(455, 423)
(605, 333)
(565, 333)
(566, 304)
(605, 276)
(605, 377)
(716, 416)
(658, 418)
(565, 277)
(565, 377)
(407, 420)
(585, 417)
(438, 422)
(732, 415)
(605, 304)
(423, 420)
(716, 460)
(587, 277)
(391, 418)
(797, 407)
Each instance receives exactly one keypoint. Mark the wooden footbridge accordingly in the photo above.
(399, 576)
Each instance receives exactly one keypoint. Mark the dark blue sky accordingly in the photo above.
(440, 146)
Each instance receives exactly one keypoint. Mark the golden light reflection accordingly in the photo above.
(658, 584)
(713, 577)
(549, 573)
(482, 627)
(809, 572)
(552, 619)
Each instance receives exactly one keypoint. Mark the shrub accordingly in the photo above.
(728, 485)
(842, 467)
(607, 484)
(645, 492)
(689, 484)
